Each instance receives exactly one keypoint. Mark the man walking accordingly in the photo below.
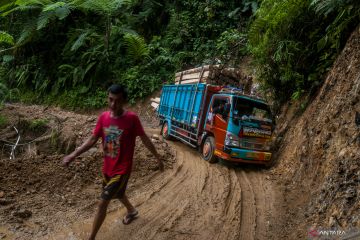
(118, 130)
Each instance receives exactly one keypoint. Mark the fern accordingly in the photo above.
(8, 58)
(285, 51)
(80, 41)
(27, 5)
(62, 12)
(27, 33)
(44, 19)
(119, 30)
(136, 47)
(107, 7)
(88, 68)
(346, 13)
(59, 9)
(95, 52)
(53, 6)
(21, 9)
(6, 38)
(25, 36)
(327, 7)
(258, 27)
(33, 2)
(6, 2)
(6, 7)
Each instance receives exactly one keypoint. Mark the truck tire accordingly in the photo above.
(270, 164)
(165, 131)
(208, 150)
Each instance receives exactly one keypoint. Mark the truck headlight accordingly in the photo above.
(231, 140)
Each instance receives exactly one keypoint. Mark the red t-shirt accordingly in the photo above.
(118, 138)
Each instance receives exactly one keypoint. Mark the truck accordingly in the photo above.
(221, 121)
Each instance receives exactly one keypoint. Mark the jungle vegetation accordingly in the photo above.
(67, 52)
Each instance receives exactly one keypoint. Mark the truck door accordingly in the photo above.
(217, 120)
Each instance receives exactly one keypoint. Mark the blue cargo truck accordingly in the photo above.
(221, 122)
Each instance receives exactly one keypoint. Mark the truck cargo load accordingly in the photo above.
(216, 75)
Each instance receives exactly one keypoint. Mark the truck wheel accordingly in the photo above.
(270, 164)
(165, 131)
(208, 150)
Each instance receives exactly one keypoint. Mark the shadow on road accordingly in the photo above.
(243, 166)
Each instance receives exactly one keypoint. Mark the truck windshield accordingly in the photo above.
(244, 109)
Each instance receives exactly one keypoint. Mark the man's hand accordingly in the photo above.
(83, 148)
(68, 159)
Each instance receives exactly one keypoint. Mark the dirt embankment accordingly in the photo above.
(319, 152)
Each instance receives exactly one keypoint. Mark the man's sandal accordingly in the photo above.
(128, 218)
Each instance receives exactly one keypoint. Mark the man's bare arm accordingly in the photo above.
(83, 148)
(149, 145)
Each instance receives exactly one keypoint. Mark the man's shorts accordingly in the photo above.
(114, 187)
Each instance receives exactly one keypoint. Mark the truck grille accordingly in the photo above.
(254, 145)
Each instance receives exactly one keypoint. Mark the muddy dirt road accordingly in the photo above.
(192, 199)
(195, 200)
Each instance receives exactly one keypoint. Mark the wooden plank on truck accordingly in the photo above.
(155, 105)
(193, 70)
(216, 75)
(192, 77)
(156, 100)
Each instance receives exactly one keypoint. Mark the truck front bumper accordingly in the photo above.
(244, 155)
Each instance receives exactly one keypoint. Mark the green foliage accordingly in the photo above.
(296, 95)
(276, 49)
(3, 121)
(48, 10)
(74, 99)
(327, 7)
(4, 91)
(38, 124)
(231, 45)
(136, 47)
(82, 38)
(107, 7)
(6, 38)
(77, 99)
(294, 42)
(27, 34)
(64, 52)
(6, 5)
(7, 94)
(343, 16)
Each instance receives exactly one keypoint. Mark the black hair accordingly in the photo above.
(117, 89)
